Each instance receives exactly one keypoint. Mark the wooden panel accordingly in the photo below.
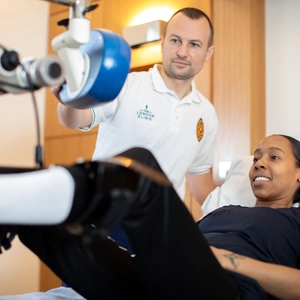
(67, 150)
(231, 76)
(258, 81)
(149, 54)
(48, 280)
(54, 29)
(57, 8)
(203, 80)
(192, 205)
(238, 76)
(96, 16)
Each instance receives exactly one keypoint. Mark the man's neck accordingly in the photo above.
(180, 87)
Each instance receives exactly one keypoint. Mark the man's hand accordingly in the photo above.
(55, 91)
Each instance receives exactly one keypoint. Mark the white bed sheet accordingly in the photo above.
(60, 293)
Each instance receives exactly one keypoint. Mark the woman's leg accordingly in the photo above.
(35, 196)
(172, 254)
(174, 259)
(109, 273)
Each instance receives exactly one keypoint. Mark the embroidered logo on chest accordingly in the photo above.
(200, 130)
(145, 114)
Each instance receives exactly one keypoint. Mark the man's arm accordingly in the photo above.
(70, 117)
(200, 185)
(279, 281)
(73, 118)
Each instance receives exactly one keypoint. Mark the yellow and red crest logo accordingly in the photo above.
(200, 130)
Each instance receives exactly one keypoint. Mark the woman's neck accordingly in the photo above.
(274, 204)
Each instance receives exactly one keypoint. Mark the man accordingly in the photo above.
(161, 110)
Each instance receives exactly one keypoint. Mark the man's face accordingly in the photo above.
(185, 47)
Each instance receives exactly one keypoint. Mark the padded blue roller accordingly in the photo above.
(109, 56)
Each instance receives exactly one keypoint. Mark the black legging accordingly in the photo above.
(172, 258)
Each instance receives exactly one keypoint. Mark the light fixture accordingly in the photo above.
(144, 33)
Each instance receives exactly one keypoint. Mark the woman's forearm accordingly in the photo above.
(279, 281)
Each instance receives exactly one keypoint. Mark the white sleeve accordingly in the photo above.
(235, 190)
(88, 128)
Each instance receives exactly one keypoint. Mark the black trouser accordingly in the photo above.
(172, 258)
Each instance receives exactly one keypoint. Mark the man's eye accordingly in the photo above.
(274, 157)
(195, 45)
(255, 159)
(175, 41)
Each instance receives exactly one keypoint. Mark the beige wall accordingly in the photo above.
(23, 25)
(283, 67)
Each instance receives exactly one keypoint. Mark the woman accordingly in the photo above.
(238, 253)
(267, 233)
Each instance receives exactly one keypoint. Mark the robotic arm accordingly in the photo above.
(29, 74)
(96, 61)
(92, 65)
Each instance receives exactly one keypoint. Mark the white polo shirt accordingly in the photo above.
(181, 134)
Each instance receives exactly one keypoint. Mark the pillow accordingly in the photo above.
(235, 190)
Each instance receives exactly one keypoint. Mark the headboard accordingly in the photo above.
(236, 188)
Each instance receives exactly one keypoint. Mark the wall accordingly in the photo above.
(24, 25)
(238, 79)
(283, 67)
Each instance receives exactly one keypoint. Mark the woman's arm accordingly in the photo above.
(279, 281)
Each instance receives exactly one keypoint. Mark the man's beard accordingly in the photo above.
(173, 73)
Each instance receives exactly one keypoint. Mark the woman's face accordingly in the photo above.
(274, 175)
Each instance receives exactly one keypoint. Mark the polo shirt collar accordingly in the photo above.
(160, 86)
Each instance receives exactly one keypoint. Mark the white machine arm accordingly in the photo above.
(18, 76)
(96, 61)
(91, 67)
(67, 45)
